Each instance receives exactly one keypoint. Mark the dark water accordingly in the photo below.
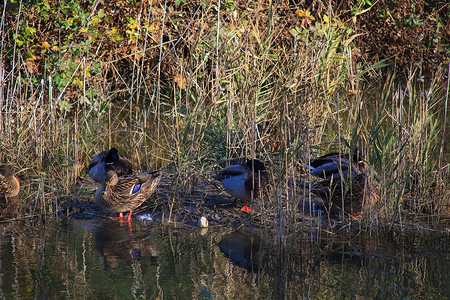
(102, 259)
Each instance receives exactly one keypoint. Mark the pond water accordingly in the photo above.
(102, 259)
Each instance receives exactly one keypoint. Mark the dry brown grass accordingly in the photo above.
(252, 83)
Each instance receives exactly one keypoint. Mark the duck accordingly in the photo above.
(244, 181)
(109, 160)
(351, 196)
(118, 194)
(9, 183)
(9, 191)
(334, 165)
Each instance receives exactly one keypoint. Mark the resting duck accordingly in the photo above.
(330, 165)
(9, 184)
(108, 160)
(9, 191)
(240, 181)
(125, 193)
(350, 196)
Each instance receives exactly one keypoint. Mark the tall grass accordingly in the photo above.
(191, 90)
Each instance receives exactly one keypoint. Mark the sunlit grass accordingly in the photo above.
(254, 87)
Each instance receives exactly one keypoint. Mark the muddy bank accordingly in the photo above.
(295, 209)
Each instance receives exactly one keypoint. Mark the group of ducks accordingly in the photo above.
(120, 190)
(249, 180)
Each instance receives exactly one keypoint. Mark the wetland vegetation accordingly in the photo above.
(188, 86)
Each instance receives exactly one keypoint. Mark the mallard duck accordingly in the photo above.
(241, 182)
(108, 160)
(9, 184)
(351, 196)
(125, 193)
(331, 165)
(9, 191)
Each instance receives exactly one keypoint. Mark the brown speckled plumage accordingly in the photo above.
(9, 191)
(9, 184)
(354, 196)
(121, 194)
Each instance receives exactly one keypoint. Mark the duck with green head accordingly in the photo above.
(106, 161)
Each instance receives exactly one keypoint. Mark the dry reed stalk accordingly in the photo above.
(204, 99)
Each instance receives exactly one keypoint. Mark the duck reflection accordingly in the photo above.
(243, 249)
(341, 254)
(116, 244)
(354, 251)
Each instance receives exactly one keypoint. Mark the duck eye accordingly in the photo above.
(227, 176)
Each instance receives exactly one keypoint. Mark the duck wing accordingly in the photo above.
(233, 171)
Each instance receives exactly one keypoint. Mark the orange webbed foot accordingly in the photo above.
(121, 219)
(246, 209)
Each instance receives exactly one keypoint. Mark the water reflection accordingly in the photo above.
(104, 259)
(116, 243)
(245, 250)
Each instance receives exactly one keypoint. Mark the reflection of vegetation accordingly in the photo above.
(269, 80)
(55, 262)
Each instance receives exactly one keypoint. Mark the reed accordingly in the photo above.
(180, 91)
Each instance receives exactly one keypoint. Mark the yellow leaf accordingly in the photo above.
(180, 80)
(45, 45)
(76, 81)
(112, 31)
(300, 12)
(306, 17)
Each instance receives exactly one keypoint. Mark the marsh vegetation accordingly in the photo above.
(191, 87)
(188, 86)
